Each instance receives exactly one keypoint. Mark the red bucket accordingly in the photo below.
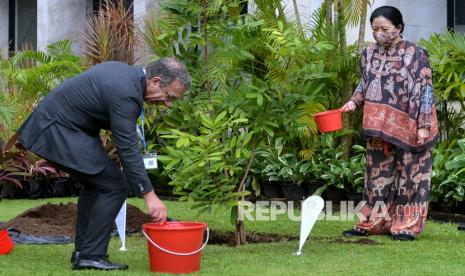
(6, 244)
(329, 121)
(175, 247)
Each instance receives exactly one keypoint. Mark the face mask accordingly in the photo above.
(385, 39)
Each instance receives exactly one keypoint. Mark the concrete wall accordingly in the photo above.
(141, 9)
(4, 27)
(66, 19)
(61, 19)
(421, 17)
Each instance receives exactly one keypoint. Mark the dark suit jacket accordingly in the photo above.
(65, 126)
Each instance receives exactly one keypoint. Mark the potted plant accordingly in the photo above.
(32, 173)
(8, 175)
(287, 170)
(340, 176)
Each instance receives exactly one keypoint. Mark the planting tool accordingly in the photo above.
(311, 209)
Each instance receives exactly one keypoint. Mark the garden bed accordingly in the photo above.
(52, 220)
(58, 220)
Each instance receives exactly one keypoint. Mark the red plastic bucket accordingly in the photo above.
(329, 121)
(6, 244)
(175, 247)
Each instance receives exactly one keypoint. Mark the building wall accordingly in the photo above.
(141, 9)
(421, 17)
(61, 19)
(4, 17)
(66, 19)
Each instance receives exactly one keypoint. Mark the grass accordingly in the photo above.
(438, 251)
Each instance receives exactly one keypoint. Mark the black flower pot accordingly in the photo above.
(292, 191)
(335, 194)
(271, 189)
(312, 186)
(355, 197)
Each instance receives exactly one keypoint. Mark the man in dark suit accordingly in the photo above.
(64, 129)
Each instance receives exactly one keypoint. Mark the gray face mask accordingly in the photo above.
(385, 38)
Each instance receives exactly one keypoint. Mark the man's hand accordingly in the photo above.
(349, 106)
(156, 207)
(422, 134)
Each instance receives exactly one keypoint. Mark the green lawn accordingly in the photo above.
(439, 250)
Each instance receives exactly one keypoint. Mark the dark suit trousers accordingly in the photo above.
(100, 200)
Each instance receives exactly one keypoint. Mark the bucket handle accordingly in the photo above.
(176, 253)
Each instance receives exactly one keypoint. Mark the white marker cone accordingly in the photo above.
(120, 222)
(311, 209)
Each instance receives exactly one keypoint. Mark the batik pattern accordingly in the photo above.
(397, 95)
(395, 199)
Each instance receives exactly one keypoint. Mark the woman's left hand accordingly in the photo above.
(422, 134)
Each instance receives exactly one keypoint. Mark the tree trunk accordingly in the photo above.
(240, 233)
(361, 31)
(329, 12)
(240, 227)
(346, 81)
(205, 34)
(297, 16)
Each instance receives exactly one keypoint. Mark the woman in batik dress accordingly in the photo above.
(400, 126)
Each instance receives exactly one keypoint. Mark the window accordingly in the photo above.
(456, 15)
(22, 31)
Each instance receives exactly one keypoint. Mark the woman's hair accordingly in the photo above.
(390, 13)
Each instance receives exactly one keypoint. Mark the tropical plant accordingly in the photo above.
(110, 34)
(260, 67)
(447, 57)
(330, 166)
(210, 167)
(281, 167)
(8, 111)
(447, 184)
(8, 172)
(32, 166)
(33, 74)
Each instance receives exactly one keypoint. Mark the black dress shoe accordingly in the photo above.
(354, 233)
(100, 264)
(403, 237)
(76, 255)
(461, 227)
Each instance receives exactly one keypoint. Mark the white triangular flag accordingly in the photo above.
(121, 225)
(311, 209)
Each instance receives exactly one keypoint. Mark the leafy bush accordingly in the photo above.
(448, 179)
(207, 167)
(447, 58)
(33, 74)
(329, 166)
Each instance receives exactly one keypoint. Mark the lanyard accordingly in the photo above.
(141, 131)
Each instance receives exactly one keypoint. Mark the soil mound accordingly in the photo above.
(52, 220)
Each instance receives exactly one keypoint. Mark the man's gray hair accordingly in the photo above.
(169, 70)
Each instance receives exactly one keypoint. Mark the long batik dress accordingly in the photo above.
(396, 93)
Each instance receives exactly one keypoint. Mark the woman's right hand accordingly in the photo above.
(349, 106)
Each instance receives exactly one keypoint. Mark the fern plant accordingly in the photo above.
(33, 74)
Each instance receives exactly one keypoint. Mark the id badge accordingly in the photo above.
(150, 161)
